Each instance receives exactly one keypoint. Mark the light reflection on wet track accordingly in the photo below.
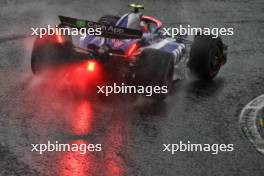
(78, 119)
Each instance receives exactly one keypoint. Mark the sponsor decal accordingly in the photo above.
(117, 43)
(80, 23)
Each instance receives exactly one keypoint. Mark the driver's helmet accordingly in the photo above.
(132, 19)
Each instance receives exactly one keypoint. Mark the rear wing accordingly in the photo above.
(108, 31)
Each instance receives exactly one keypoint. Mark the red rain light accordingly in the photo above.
(90, 66)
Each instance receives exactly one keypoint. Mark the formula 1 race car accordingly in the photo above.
(131, 47)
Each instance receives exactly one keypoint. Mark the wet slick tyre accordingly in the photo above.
(206, 56)
(47, 54)
(155, 69)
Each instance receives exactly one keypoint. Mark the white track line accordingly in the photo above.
(249, 116)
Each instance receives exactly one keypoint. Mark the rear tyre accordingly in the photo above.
(48, 53)
(155, 68)
(206, 56)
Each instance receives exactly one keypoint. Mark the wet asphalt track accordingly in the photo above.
(132, 133)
